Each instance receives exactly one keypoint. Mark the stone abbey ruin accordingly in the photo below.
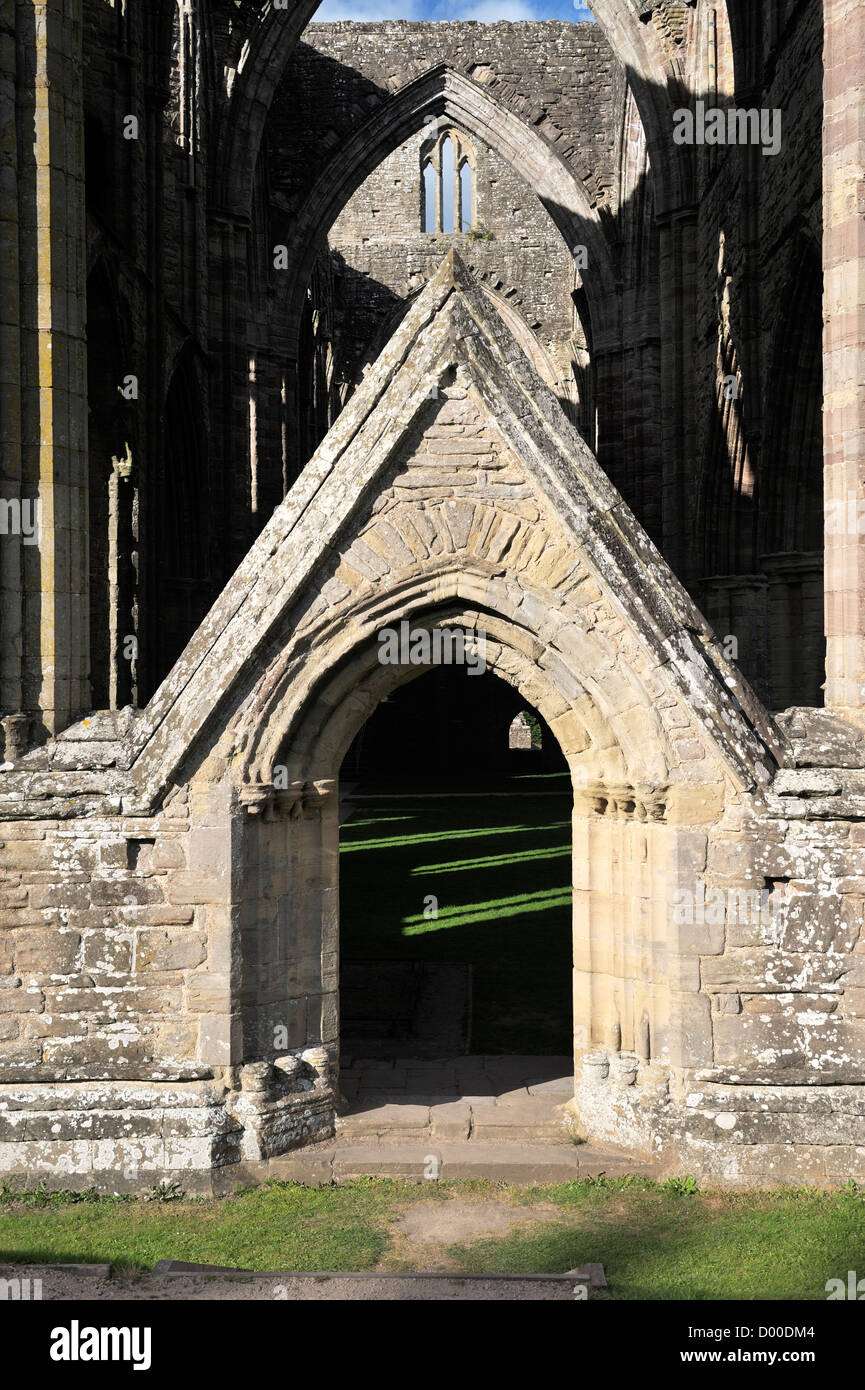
(309, 330)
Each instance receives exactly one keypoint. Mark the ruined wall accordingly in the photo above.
(173, 262)
(190, 949)
(120, 1013)
(148, 286)
(578, 119)
(772, 899)
(758, 543)
(111, 940)
(561, 78)
(383, 256)
(140, 980)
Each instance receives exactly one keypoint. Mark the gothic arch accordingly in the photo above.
(316, 746)
(278, 762)
(443, 92)
(329, 670)
(653, 72)
(250, 84)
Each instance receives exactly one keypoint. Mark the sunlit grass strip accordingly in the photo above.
(375, 820)
(538, 776)
(494, 861)
(654, 1242)
(492, 911)
(436, 837)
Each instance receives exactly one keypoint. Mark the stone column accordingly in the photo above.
(229, 437)
(678, 259)
(54, 385)
(11, 597)
(215, 881)
(844, 351)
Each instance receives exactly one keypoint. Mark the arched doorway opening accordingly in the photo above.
(455, 880)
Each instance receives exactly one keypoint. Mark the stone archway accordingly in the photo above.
(633, 842)
(290, 842)
(452, 492)
(287, 851)
(442, 92)
(647, 52)
(386, 530)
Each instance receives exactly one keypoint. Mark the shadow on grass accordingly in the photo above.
(748, 1246)
(500, 871)
(653, 1245)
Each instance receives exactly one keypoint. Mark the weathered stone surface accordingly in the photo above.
(45, 952)
(164, 950)
(169, 903)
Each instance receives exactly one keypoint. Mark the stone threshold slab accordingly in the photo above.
(425, 1162)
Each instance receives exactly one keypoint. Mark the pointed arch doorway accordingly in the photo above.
(455, 887)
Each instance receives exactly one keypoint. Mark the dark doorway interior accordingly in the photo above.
(455, 876)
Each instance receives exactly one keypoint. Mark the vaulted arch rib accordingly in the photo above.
(443, 92)
(655, 81)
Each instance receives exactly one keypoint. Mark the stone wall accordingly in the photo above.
(170, 877)
(177, 265)
(167, 909)
(561, 78)
(384, 256)
(362, 67)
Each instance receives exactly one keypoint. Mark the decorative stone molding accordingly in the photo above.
(272, 803)
(231, 897)
(645, 804)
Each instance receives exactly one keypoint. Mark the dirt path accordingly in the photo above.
(73, 1285)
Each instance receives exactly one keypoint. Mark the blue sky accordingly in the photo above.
(485, 11)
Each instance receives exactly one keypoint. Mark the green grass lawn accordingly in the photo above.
(500, 867)
(654, 1241)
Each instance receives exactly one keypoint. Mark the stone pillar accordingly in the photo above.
(54, 407)
(11, 547)
(214, 879)
(678, 259)
(123, 557)
(229, 438)
(54, 387)
(844, 351)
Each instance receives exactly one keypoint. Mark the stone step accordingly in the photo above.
(517, 1117)
(412, 1161)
